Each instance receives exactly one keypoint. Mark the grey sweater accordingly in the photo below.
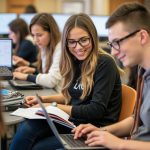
(143, 132)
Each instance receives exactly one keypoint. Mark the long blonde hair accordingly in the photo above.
(47, 22)
(88, 67)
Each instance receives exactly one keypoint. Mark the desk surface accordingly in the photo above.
(44, 91)
(9, 119)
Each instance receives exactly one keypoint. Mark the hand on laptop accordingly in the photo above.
(83, 129)
(104, 138)
(20, 76)
(18, 61)
(25, 69)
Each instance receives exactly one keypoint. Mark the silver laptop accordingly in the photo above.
(66, 140)
(6, 59)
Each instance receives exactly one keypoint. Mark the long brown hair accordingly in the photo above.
(67, 69)
(47, 22)
(20, 28)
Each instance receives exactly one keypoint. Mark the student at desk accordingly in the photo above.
(90, 92)
(18, 32)
(45, 32)
(129, 36)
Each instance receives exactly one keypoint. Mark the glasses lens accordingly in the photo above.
(84, 41)
(115, 45)
(71, 43)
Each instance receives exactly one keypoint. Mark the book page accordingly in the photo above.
(58, 112)
(29, 113)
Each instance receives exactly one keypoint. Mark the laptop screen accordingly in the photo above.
(6, 53)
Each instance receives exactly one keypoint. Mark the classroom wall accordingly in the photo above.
(100, 7)
(47, 5)
(2, 5)
(97, 7)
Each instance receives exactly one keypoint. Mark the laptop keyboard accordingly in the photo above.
(4, 71)
(72, 142)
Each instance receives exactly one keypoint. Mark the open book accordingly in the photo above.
(55, 113)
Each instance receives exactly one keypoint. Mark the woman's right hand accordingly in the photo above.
(20, 76)
(31, 101)
(25, 69)
(84, 129)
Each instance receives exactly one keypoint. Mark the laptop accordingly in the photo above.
(6, 59)
(66, 140)
(20, 84)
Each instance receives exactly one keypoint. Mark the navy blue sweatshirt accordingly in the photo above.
(102, 106)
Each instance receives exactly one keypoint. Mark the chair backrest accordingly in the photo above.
(128, 101)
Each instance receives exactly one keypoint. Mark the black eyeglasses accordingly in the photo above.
(84, 41)
(116, 44)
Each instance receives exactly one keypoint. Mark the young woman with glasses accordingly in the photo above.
(91, 90)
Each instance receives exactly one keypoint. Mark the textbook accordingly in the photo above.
(11, 99)
(57, 115)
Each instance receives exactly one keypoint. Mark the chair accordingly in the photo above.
(128, 101)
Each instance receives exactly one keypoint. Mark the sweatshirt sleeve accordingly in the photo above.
(31, 78)
(53, 77)
(105, 78)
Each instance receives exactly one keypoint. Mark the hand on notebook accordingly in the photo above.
(25, 69)
(83, 130)
(31, 101)
(20, 61)
(20, 76)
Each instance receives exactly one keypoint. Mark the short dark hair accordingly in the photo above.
(134, 15)
(30, 9)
